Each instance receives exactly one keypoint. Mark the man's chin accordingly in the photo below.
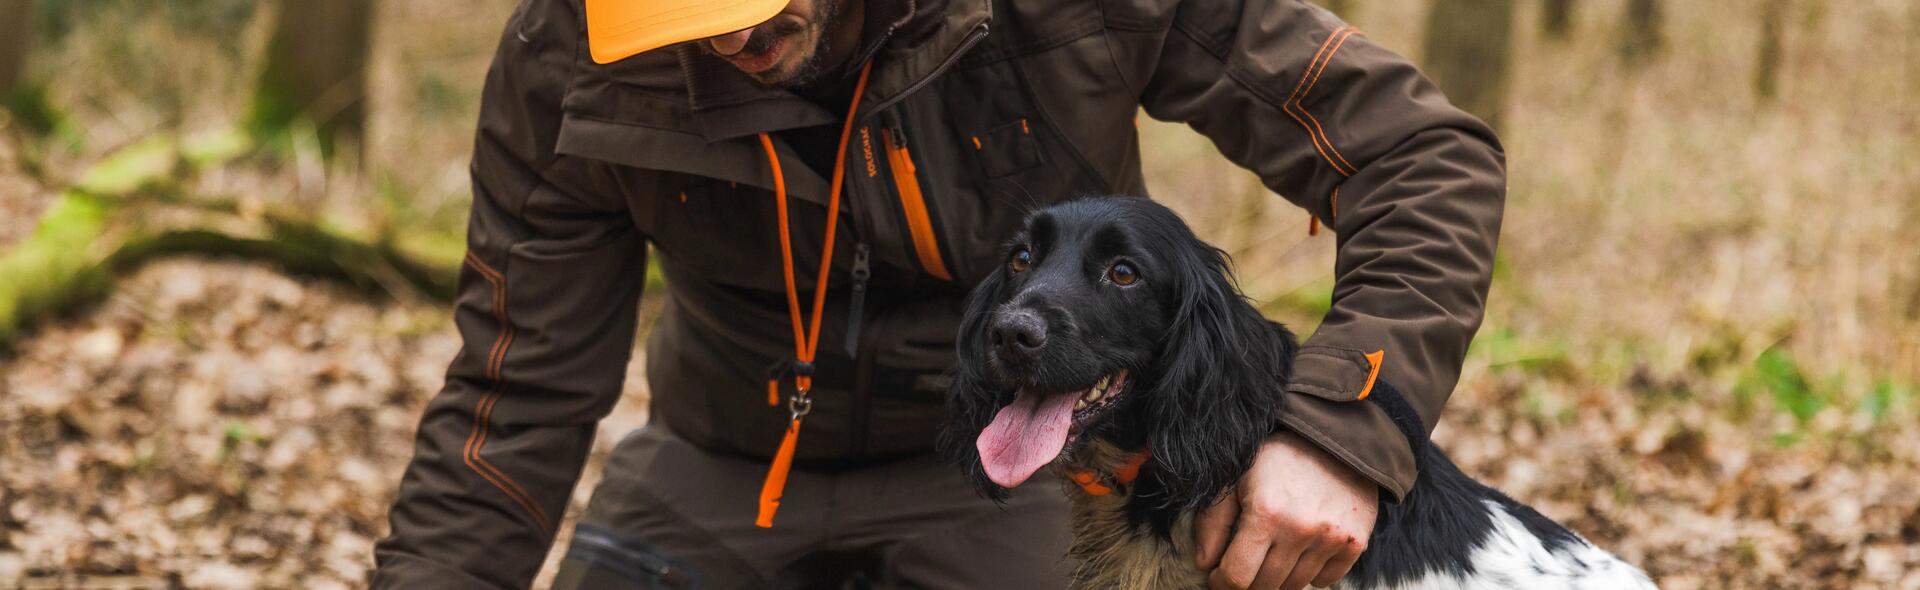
(788, 77)
(779, 76)
(795, 68)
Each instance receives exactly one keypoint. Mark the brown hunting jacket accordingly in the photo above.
(976, 113)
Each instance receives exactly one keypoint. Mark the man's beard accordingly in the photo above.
(814, 65)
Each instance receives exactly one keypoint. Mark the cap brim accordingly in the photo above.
(617, 29)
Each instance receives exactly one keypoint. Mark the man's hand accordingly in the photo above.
(1304, 517)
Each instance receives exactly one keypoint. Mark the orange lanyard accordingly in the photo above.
(806, 339)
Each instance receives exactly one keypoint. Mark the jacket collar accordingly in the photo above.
(915, 41)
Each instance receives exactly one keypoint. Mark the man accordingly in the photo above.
(723, 133)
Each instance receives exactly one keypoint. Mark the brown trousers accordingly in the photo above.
(670, 515)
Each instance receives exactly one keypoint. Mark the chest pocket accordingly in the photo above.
(726, 233)
(912, 180)
(1008, 149)
(985, 158)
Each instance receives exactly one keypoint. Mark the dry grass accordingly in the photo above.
(1699, 350)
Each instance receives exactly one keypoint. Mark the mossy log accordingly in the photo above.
(124, 214)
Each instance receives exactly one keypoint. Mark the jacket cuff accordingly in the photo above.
(1337, 400)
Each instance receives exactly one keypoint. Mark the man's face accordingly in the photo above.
(793, 47)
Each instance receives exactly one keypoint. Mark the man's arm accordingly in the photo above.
(1414, 190)
(1412, 186)
(546, 311)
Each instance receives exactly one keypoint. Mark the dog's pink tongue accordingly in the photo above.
(1025, 436)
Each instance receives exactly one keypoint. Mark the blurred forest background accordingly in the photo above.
(228, 228)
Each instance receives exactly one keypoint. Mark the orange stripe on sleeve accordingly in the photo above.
(1297, 102)
(483, 411)
(1290, 104)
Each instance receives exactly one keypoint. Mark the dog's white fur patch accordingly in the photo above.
(1111, 554)
(1513, 558)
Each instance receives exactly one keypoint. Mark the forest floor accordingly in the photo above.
(220, 425)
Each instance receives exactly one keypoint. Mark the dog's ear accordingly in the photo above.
(1221, 371)
(974, 397)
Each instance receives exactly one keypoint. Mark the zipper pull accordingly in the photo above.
(895, 129)
(857, 297)
(899, 135)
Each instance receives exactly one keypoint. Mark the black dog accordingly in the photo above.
(1114, 346)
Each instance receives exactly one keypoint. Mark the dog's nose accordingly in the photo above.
(1019, 335)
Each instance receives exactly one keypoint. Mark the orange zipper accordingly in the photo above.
(914, 205)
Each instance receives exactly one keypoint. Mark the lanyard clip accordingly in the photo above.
(799, 406)
(801, 402)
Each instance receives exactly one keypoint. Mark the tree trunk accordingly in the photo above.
(1556, 18)
(1640, 35)
(1343, 8)
(16, 36)
(316, 71)
(1469, 52)
(1766, 69)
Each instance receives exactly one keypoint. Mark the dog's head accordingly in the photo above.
(1111, 320)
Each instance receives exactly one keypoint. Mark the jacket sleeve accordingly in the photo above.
(546, 310)
(1412, 186)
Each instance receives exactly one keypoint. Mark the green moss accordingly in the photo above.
(1503, 348)
(131, 168)
(55, 265)
(1887, 399)
(33, 110)
(1777, 373)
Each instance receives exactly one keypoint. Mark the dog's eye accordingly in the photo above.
(1122, 274)
(1021, 259)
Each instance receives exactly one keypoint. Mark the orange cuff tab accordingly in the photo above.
(1373, 358)
(776, 484)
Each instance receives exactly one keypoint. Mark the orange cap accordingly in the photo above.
(620, 28)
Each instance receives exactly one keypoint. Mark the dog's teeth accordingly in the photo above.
(1101, 385)
(1080, 404)
(1093, 395)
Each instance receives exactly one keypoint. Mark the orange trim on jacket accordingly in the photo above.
(919, 223)
(1295, 109)
(483, 410)
(1375, 359)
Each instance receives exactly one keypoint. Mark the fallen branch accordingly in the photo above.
(121, 217)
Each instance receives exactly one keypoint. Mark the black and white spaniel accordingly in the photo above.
(1114, 347)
